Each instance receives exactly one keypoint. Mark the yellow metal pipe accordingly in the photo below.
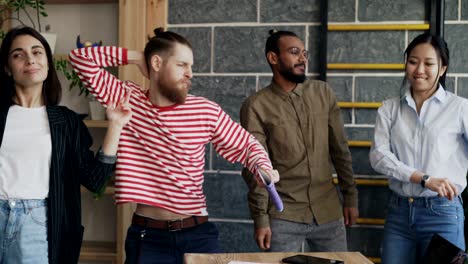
(359, 104)
(367, 182)
(370, 221)
(352, 27)
(365, 66)
(355, 143)
(375, 260)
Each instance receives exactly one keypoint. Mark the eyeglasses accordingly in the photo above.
(297, 52)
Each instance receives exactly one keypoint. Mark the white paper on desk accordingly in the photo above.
(246, 262)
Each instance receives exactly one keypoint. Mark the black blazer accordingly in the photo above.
(72, 164)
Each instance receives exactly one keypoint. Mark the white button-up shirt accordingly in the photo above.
(434, 142)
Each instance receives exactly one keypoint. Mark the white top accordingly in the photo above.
(434, 142)
(25, 154)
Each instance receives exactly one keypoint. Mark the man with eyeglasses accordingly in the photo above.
(299, 123)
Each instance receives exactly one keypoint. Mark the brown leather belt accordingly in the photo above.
(170, 225)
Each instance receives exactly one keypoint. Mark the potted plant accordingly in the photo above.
(33, 10)
(96, 111)
(63, 66)
(14, 8)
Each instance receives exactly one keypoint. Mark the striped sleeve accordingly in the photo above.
(235, 144)
(89, 64)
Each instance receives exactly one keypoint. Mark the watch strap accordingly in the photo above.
(424, 178)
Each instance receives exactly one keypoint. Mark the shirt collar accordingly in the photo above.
(440, 95)
(283, 94)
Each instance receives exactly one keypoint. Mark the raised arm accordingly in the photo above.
(235, 144)
(94, 171)
(89, 64)
(118, 115)
(137, 58)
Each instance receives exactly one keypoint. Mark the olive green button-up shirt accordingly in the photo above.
(304, 135)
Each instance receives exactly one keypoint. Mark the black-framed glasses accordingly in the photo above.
(297, 52)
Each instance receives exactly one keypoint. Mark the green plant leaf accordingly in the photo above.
(63, 66)
(19, 7)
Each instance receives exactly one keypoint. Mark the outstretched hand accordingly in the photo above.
(273, 176)
(120, 114)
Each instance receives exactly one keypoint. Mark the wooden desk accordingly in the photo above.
(197, 258)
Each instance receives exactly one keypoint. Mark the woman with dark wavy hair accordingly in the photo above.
(44, 156)
(421, 143)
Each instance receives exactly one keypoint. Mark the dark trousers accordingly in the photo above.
(151, 245)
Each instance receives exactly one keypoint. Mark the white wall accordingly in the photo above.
(92, 22)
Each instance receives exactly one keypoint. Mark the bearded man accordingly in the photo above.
(161, 155)
(299, 123)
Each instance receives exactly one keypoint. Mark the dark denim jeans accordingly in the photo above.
(152, 245)
(411, 222)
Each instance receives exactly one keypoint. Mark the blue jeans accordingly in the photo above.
(152, 245)
(411, 222)
(287, 236)
(23, 232)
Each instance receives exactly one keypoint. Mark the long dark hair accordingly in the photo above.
(439, 45)
(51, 88)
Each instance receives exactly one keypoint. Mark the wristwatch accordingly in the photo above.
(424, 179)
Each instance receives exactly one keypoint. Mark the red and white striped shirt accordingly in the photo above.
(161, 154)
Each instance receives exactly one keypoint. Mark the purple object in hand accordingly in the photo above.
(274, 196)
(270, 186)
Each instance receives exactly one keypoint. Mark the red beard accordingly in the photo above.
(177, 94)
